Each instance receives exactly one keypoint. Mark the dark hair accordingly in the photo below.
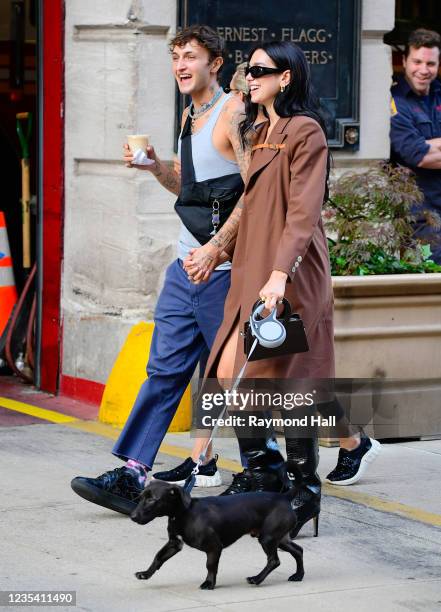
(297, 99)
(422, 38)
(205, 36)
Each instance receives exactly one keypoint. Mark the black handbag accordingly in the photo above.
(295, 340)
(204, 206)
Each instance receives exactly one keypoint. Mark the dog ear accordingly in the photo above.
(182, 495)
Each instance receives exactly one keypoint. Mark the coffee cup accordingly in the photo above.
(137, 141)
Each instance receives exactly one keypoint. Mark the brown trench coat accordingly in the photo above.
(281, 229)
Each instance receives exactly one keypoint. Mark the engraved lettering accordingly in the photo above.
(285, 33)
(321, 36)
(305, 35)
(317, 57)
(228, 33)
(242, 34)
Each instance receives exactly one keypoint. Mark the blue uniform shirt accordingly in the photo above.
(414, 120)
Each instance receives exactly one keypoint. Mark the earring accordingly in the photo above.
(282, 88)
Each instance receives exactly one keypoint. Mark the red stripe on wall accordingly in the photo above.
(81, 389)
(53, 190)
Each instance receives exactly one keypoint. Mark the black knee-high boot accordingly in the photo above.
(302, 455)
(264, 471)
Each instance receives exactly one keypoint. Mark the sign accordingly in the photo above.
(328, 31)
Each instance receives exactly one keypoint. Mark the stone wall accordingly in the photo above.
(120, 229)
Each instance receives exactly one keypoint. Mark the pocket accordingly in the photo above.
(424, 126)
(223, 195)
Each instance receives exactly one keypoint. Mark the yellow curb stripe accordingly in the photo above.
(107, 431)
(96, 428)
(35, 411)
(382, 505)
(356, 497)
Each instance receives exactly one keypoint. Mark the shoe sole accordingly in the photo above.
(201, 481)
(368, 458)
(103, 498)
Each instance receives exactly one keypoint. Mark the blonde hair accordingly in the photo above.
(238, 80)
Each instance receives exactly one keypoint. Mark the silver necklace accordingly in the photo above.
(205, 107)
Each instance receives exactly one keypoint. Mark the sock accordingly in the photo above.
(140, 469)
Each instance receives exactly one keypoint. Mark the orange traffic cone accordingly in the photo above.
(8, 293)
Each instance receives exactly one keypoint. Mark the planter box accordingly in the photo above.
(388, 328)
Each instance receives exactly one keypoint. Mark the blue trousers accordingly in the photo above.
(187, 318)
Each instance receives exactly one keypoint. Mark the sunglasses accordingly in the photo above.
(260, 71)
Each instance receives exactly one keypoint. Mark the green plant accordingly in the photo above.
(369, 221)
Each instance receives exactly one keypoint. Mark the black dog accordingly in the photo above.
(213, 523)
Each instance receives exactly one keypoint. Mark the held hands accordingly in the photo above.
(274, 290)
(150, 152)
(201, 262)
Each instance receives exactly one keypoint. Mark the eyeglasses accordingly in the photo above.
(260, 71)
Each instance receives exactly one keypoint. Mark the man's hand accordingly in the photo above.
(150, 152)
(432, 159)
(274, 290)
(201, 262)
(165, 175)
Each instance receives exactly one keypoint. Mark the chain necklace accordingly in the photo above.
(205, 107)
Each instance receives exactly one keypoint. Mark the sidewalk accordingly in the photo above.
(363, 558)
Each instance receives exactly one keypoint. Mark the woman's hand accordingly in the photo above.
(274, 290)
(201, 262)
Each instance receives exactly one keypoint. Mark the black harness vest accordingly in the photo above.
(205, 206)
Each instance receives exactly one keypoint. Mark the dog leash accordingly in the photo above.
(268, 332)
(191, 480)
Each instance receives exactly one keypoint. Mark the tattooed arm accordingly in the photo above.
(169, 176)
(201, 262)
(165, 173)
(233, 112)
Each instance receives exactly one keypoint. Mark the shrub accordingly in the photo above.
(369, 218)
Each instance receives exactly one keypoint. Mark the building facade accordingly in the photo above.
(120, 228)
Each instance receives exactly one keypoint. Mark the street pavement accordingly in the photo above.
(378, 547)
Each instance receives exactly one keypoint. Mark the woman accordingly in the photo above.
(238, 84)
(309, 284)
(281, 248)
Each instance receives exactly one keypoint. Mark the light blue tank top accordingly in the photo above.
(208, 163)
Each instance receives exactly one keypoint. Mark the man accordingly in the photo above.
(187, 315)
(415, 132)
